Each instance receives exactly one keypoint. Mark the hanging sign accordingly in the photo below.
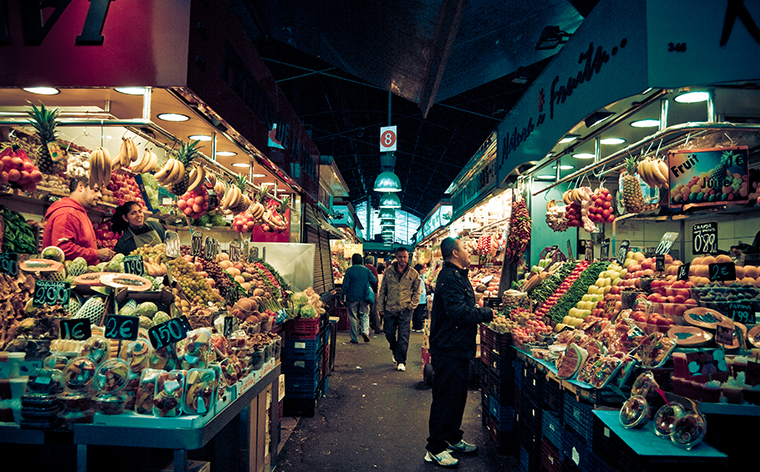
(708, 177)
(623, 251)
(704, 238)
(388, 139)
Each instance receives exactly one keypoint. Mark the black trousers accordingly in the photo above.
(451, 376)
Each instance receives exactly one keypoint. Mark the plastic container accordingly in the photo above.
(96, 348)
(79, 374)
(10, 363)
(689, 430)
(111, 404)
(164, 358)
(112, 376)
(196, 349)
(200, 392)
(139, 352)
(169, 393)
(665, 418)
(145, 391)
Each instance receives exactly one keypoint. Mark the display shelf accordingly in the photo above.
(12, 433)
(646, 444)
(729, 409)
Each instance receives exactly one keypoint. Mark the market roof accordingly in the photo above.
(455, 69)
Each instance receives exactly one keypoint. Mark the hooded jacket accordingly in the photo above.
(399, 291)
(454, 317)
(69, 228)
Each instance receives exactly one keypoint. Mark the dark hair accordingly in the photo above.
(447, 248)
(380, 268)
(357, 259)
(418, 267)
(74, 182)
(401, 249)
(117, 220)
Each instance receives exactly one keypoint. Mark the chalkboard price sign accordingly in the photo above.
(742, 312)
(683, 271)
(569, 250)
(604, 251)
(134, 265)
(47, 292)
(659, 262)
(231, 295)
(9, 264)
(722, 271)
(230, 325)
(168, 332)
(235, 251)
(77, 329)
(196, 245)
(623, 251)
(122, 327)
(705, 238)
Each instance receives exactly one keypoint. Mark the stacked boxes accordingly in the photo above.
(497, 384)
(305, 360)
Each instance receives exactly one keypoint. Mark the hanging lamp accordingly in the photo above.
(387, 182)
(387, 214)
(389, 200)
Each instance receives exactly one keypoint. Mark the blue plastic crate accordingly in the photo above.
(579, 416)
(577, 452)
(302, 345)
(551, 428)
(504, 416)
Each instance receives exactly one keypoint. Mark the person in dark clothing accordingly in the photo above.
(129, 219)
(356, 283)
(418, 317)
(374, 318)
(454, 323)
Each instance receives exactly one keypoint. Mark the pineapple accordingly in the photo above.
(240, 182)
(717, 176)
(632, 196)
(186, 154)
(44, 121)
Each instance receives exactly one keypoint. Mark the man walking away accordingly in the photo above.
(399, 295)
(454, 323)
(374, 318)
(356, 284)
(418, 317)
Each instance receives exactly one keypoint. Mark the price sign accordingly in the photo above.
(724, 333)
(683, 271)
(704, 238)
(235, 251)
(722, 271)
(254, 254)
(623, 251)
(77, 329)
(569, 250)
(230, 325)
(9, 264)
(604, 251)
(659, 262)
(172, 244)
(666, 243)
(609, 306)
(742, 312)
(122, 327)
(211, 249)
(231, 296)
(196, 246)
(588, 250)
(134, 265)
(47, 292)
(168, 332)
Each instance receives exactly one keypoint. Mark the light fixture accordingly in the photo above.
(387, 222)
(226, 153)
(256, 176)
(568, 138)
(43, 90)
(646, 123)
(597, 117)
(583, 155)
(173, 117)
(240, 164)
(389, 200)
(200, 137)
(387, 213)
(282, 190)
(693, 97)
(545, 177)
(131, 90)
(612, 141)
(268, 183)
(551, 37)
(564, 167)
(387, 182)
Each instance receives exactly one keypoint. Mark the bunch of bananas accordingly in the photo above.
(654, 172)
(100, 167)
(146, 163)
(234, 198)
(171, 173)
(127, 153)
(197, 177)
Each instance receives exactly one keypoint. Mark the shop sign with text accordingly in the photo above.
(704, 177)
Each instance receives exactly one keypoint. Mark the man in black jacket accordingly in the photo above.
(454, 323)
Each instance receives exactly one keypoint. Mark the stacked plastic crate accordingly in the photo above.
(529, 416)
(552, 425)
(497, 384)
(305, 364)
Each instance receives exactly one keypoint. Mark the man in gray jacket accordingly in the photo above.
(398, 296)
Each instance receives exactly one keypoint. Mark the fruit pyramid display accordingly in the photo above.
(186, 155)
(632, 196)
(44, 121)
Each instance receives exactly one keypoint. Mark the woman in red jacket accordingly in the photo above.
(69, 227)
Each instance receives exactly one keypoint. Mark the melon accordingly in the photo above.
(739, 272)
(160, 317)
(723, 258)
(53, 253)
(747, 281)
(147, 309)
(751, 271)
(571, 362)
(708, 260)
(697, 261)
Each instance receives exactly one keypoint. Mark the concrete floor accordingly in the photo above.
(375, 418)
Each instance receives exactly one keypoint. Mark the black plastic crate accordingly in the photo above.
(532, 382)
(530, 451)
(299, 407)
(505, 441)
(530, 414)
(552, 396)
(502, 387)
(504, 416)
(579, 416)
(576, 452)
(494, 363)
(551, 428)
(551, 459)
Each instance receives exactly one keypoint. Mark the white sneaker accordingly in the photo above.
(401, 367)
(443, 459)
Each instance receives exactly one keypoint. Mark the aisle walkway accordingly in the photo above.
(375, 418)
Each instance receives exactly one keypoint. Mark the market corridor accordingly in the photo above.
(375, 418)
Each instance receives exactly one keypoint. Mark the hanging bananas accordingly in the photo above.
(145, 163)
(197, 177)
(171, 173)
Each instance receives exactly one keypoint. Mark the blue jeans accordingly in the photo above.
(358, 312)
(397, 326)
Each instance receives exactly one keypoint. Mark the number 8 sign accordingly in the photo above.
(388, 139)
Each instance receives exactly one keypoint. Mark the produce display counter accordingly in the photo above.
(179, 439)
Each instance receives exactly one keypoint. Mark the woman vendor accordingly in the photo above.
(129, 219)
